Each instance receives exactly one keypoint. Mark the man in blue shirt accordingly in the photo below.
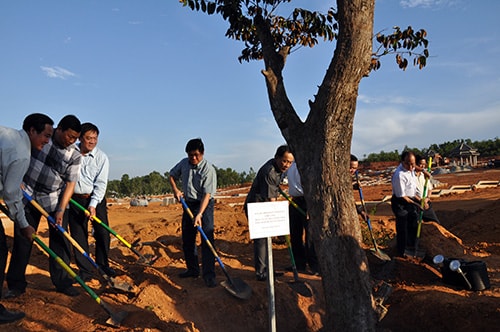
(15, 151)
(199, 184)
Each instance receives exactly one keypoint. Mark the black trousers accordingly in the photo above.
(21, 252)
(4, 251)
(406, 223)
(189, 233)
(303, 251)
(79, 228)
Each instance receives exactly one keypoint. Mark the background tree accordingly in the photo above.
(322, 143)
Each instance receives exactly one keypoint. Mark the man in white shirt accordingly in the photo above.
(405, 203)
(90, 191)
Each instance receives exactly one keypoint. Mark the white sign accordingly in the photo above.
(268, 219)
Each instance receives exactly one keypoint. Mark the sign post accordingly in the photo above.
(265, 220)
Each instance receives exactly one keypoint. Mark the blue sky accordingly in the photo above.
(153, 74)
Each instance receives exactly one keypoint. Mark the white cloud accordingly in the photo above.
(426, 3)
(57, 72)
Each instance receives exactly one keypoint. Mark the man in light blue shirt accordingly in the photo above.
(303, 252)
(199, 184)
(15, 151)
(90, 190)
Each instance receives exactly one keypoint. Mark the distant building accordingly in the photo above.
(466, 154)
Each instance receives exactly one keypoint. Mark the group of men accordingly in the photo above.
(48, 165)
(51, 169)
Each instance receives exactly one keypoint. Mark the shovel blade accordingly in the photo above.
(238, 288)
(116, 319)
(121, 286)
(301, 288)
(147, 259)
(380, 255)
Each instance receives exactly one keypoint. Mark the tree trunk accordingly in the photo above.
(322, 147)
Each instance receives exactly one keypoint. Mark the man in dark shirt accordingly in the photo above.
(265, 188)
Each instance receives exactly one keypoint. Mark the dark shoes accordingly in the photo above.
(7, 316)
(12, 293)
(210, 282)
(189, 274)
(69, 291)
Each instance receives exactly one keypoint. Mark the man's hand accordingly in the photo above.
(92, 212)
(59, 217)
(28, 232)
(197, 220)
(178, 195)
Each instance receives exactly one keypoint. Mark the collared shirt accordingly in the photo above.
(294, 185)
(197, 180)
(15, 149)
(404, 182)
(266, 184)
(421, 184)
(49, 171)
(94, 172)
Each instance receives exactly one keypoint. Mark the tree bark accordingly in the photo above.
(322, 147)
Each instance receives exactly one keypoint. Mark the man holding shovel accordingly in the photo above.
(15, 151)
(90, 192)
(303, 252)
(405, 205)
(265, 188)
(199, 184)
(50, 179)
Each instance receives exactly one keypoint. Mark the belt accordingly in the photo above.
(81, 195)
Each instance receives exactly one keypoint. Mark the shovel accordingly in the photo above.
(115, 319)
(375, 250)
(142, 259)
(298, 285)
(125, 287)
(236, 286)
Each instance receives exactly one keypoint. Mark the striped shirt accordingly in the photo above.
(49, 171)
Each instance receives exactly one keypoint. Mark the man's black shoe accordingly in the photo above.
(210, 282)
(12, 293)
(70, 291)
(189, 274)
(109, 271)
(7, 316)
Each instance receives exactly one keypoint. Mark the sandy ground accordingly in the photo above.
(161, 301)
